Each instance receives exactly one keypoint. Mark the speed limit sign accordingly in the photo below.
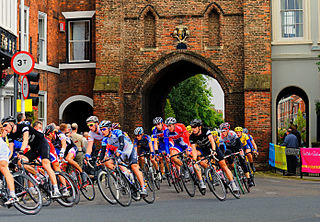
(22, 63)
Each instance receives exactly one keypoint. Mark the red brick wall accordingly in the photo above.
(61, 86)
(245, 50)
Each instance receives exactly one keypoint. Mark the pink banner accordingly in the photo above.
(310, 158)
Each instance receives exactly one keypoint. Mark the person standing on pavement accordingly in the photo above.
(291, 141)
(77, 139)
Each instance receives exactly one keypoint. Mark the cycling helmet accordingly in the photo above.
(138, 131)
(238, 129)
(49, 129)
(105, 124)
(224, 126)
(195, 123)
(115, 126)
(157, 120)
(189, 128)
(92, 119)
(245, 130)
(214, 133)
(9, 119)
(171, 120)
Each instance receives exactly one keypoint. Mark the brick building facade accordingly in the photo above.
(139, 63)
(129, 60)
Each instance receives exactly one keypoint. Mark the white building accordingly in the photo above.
(8, 44)
(295, 50)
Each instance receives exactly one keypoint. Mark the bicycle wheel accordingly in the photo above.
(157, 180)
(175, 178)
(236, 194)
(103, 185)
(29, 200)
(149, 183)
(45, 194)
(67, 201)
(188, 180)
(236, 173)
(251, 174)
(243, 179)
(120, 188)
(87, 188)
(215, 184)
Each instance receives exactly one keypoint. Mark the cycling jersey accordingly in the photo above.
(163, 143)
(53, 153)
(35, 137)
(143, 144)
(71, 147)
(230, 139)
(202, 140)
(95, 136)
(245, 141)
(36, 141)
(113, 143)
(179, 138)
(4, 150)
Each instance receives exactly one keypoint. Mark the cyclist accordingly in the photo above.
(119, 144)
(94, 134)
(233, 145)
(143, 144)
(189, 128)
(251, 146)
(38, 147)
(179, 141)
(37, 125)
(4, 169)
(49, 133)
(202, 140)
(159, 142)
(65, 148)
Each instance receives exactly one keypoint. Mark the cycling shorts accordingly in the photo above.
(129, 154)
(43, 150)
(162, 147)
(178, 147)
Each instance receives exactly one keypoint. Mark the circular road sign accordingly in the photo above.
(22, 63)
(25, 87)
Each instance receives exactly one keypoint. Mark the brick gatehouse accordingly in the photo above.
(138, 63)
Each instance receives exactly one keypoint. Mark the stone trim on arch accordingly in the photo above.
(179, 56)
(72, 99)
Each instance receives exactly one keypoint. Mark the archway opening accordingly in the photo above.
(293, 110)
(77, 112)
(156, 92)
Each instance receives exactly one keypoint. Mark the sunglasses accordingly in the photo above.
(91, 124)
(6, 124)
(104, 129)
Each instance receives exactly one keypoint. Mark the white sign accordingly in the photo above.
(22, 63)
(25, 87)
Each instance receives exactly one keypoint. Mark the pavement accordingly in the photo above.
(274, 198)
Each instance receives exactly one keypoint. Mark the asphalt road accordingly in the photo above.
(273, 199)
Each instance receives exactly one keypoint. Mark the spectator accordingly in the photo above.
(85, 141)
(21, 117)
(291, 141)
(37, 125)
(78, 141)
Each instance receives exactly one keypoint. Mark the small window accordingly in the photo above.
(79, 41)
(24, 34)
(291, 18)
(42, 38)
(42, 107)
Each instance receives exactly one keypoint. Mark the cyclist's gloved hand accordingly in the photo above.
(61, 154)
(87, 156)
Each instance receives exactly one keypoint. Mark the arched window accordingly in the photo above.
(214, 28)
(149, 30)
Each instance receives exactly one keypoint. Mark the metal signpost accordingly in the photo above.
(22, 64)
